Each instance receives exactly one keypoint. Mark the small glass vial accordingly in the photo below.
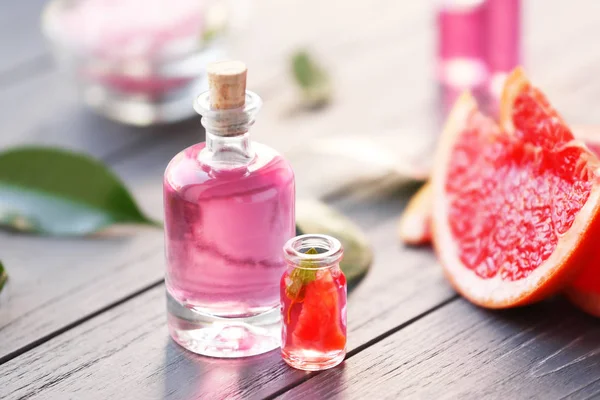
(229, 209)
(313, 303)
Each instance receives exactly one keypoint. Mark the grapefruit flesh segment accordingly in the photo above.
(517, 85)
(513, 211)
(318, 325)
(501, 193)
(414, 227)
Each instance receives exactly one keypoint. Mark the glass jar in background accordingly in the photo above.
(313, 303)
(139, 62)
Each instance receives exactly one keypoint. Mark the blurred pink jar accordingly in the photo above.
(478, 45)
(139, 62)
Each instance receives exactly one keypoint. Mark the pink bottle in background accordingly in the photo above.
(229, 209)
(503, 44)
(478, 45)
(461, 50)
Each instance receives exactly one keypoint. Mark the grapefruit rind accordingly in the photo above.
(584, 292)
(550, 276)
(514, 84)
(414, 226)
(517, 83)
(590, 135)
(586, 301)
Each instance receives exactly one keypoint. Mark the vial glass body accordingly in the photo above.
(313, 303)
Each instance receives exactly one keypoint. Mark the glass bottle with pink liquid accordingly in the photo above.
(229, 209)
(313, 303)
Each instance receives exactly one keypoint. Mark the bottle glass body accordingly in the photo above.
(313, 303)
(229, 209)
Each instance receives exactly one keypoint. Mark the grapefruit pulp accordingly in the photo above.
(515, 207)
(318, 326)
(414, 226)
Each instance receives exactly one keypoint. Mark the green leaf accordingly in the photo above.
(3, 276)
(312, 79)
(216, 21)
(210, 34)
(58, 192)
(301, 277)
(316, 217)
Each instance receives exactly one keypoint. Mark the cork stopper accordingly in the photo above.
(227, 84)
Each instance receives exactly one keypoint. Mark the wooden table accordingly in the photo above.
(85, 318)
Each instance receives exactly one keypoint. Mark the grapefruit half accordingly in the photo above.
(515, 210)
(414, 226)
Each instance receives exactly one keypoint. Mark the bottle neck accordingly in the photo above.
(227, 152)
(313, 251)
(228, 143)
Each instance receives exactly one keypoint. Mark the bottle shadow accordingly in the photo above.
(191, 376)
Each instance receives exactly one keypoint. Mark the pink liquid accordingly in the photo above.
(225, 230)
(314, 323)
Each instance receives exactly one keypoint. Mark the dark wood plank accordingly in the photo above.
(362, 39)
(545, 351)
(21, 39)
(589, 391)
(54, 282)
(88, 359)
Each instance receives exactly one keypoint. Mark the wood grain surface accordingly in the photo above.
(21, 41)
(60, 282)
(545, 351)
(403, 284)
(85, 318)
